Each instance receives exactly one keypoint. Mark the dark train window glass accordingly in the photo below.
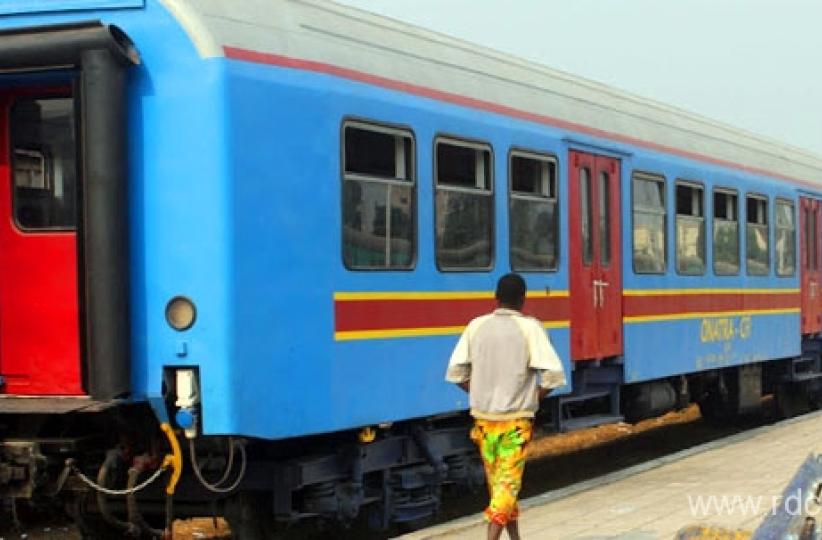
(586, 216)
(533, 213)
(811, 259)
(816, 239)
(533, 175)
(810, 239)
(378, 211)
(464, 206)
(757, 248)
(44, 163)
(785, 249)
(378, 152)
(726, 233)
(604, 219)
(690, 229)
(813, 238)
(649, 235)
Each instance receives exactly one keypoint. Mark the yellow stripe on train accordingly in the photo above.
(352, 335)
(435, 295)
(705, 314)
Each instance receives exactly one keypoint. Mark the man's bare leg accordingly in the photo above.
(513, 530)
(494, 531)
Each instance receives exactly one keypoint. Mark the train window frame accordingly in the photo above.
(48, 165)
(520, 152)
(696, 185)
(38, 153)
(761, 197)
(490, 192)
(412, 167)
(811, 244)
(776, 228)
(586, 188)
(727, 191)
(650, 176)
(603, 183)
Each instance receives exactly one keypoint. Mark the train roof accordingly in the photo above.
(330, 37)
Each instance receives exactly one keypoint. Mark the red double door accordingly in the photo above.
(39, 321)
(810, 211)
(595, 264)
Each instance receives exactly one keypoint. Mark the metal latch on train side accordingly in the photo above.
(599, 292)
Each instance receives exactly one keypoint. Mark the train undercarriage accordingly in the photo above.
(111, 467)
(108, 475)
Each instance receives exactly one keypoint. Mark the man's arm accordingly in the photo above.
(459, 366)
(544, 360)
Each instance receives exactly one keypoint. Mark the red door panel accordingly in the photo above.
(810, 212)
(816, 307)
(595, 256)
(39, 322)
(609, 317)
(583, 254)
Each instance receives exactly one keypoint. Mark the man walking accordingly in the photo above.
(506, 363)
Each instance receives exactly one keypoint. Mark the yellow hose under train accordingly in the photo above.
(174, 460)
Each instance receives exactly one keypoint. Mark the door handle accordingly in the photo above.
(602, 285)
(599, 292)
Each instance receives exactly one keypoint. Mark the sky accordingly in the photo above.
(754, 64)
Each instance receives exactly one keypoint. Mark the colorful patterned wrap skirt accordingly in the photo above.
(502, 447)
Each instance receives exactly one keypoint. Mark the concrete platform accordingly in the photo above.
(730, 483)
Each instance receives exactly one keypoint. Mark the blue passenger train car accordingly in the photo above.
(258, 227)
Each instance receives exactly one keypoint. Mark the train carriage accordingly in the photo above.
(265, 222)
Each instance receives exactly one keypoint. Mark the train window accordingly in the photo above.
(649, 217)
(464, 205)
(378, 214)
(811, 241)
(785, 238)
(604, 219)
(44, 163)
(533, 212)
(726, 232)
(756, 235)
(585, 214)
(690, 229)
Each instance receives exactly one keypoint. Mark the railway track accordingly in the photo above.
(556, 461)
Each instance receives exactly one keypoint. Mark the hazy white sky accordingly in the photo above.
(756, 64)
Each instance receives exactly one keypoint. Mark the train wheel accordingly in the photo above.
(792, 400)
(90, 524)
(815, 395)
(715, 408)
(249, 516)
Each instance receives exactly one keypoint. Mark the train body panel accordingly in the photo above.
(678, 323)
(655, 350)
(16, 7)
(250, 152)
(287, 293)
(177, 189)
(316, 114)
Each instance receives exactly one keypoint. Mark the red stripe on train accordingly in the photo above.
(651, 305)
(352, 315)
(382, 314)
